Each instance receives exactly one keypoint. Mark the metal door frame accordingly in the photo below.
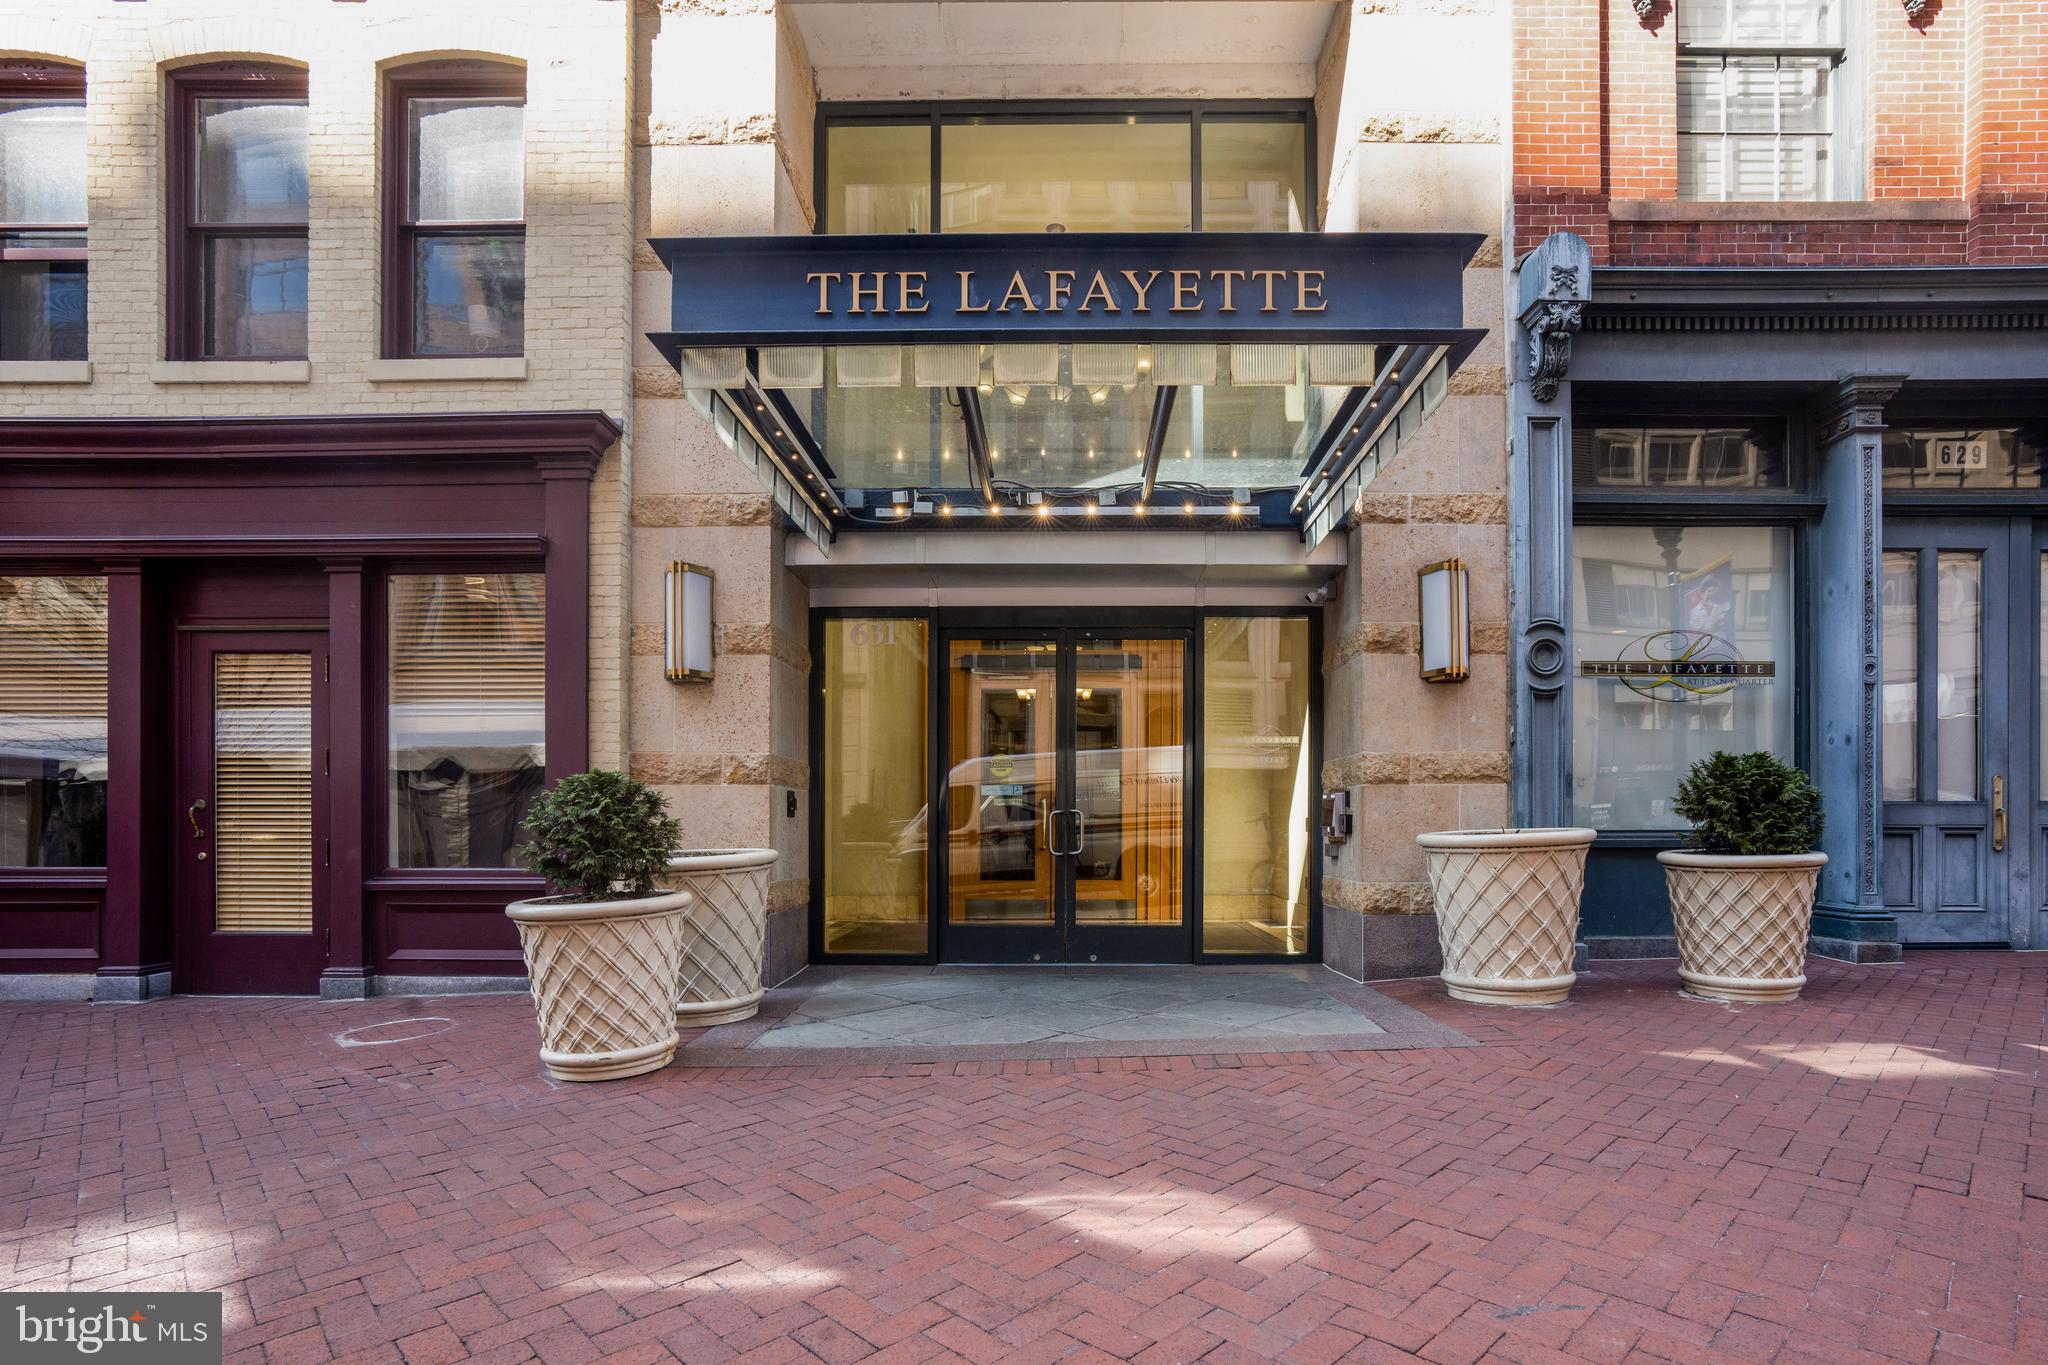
(1065, 940)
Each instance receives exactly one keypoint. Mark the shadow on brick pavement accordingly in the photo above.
(1860, 1176)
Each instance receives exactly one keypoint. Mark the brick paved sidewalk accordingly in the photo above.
(1862, 1176)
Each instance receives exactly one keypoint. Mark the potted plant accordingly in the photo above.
(602, 953)
(719, 977)
(1507, 911)
(1742, 895)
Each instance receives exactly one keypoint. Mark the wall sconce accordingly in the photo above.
(686, 623)
(1446, 622)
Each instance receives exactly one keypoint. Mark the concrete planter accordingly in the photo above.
(603, 982)
(718, 979)
(1507, 911)
(1742, 922)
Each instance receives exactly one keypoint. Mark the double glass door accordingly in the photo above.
(1066, 784)
(1964, 752)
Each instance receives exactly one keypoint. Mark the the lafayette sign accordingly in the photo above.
(1335, 287)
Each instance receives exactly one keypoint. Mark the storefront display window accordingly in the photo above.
(875, 770)
(1684, 645)
(53, 722)
(467, 672)
(1256, 786)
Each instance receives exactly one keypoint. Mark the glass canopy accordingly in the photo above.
(1060, 421)
(1239, 434)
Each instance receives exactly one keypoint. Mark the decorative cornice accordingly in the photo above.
(1906, 319)
(579, 436)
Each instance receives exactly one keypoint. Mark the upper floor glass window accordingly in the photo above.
(1146, 170)
(239, 195)
(455, 248)
(42, 212)
(1759, 100)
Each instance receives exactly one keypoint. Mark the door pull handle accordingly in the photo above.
(1080, 833)
(1047, 812)
(1998, 813)
(192, 814)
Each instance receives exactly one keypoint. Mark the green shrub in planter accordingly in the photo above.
(600, 836)
(1749, 805)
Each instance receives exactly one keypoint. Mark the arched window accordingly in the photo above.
(42, 211)
(455, 210)
(238, 193)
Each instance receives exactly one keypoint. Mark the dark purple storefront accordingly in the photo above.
(337, 655)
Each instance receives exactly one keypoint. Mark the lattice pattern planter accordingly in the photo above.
(603, 982)
(1742, 922)
(1507, 911)
(719, 976)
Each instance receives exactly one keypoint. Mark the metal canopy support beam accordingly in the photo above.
(1155, 437)
(977, 442)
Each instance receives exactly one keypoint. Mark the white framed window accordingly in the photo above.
(1760, 106)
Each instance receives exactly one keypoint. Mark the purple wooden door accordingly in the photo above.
(249, 799)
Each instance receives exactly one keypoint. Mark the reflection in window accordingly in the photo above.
(1901, 675)
(1661, 615)
(1256, 784)
(1757, 87)
(1254, 175)
(53, 722)
(873, 681)
(1964, 457)
(878, 177)
(251, 218)
(1959, 671)
(459, 246)
(1621, 457)
(1130, 172)
(1127, 176)
(42, 220)
(467, 672)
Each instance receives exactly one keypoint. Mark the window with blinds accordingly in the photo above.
(53, 722)
(263, 793)
(468, 663)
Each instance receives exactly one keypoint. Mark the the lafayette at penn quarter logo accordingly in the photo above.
(165, 1329)
(1675, 665)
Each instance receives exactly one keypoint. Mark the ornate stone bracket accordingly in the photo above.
(1557, 281)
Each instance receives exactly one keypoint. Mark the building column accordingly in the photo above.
(135, 938)
(1555, 279)
(347, 974)
(1850, 920)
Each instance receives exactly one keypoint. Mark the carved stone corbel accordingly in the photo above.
(1557, 280)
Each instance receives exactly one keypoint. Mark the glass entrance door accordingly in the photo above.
(1065, 800)
(1959, 697)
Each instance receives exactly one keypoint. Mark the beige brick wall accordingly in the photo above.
(577, 55)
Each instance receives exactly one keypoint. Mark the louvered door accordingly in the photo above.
(250, 812)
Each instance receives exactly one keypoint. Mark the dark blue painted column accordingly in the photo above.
(1555, 281)
(1850, 920)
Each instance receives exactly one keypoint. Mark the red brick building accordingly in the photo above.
(1781, 271)
(1937, 123)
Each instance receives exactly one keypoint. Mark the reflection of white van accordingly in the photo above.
(998, 805)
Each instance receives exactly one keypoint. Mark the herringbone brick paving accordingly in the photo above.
(1859, 1177)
